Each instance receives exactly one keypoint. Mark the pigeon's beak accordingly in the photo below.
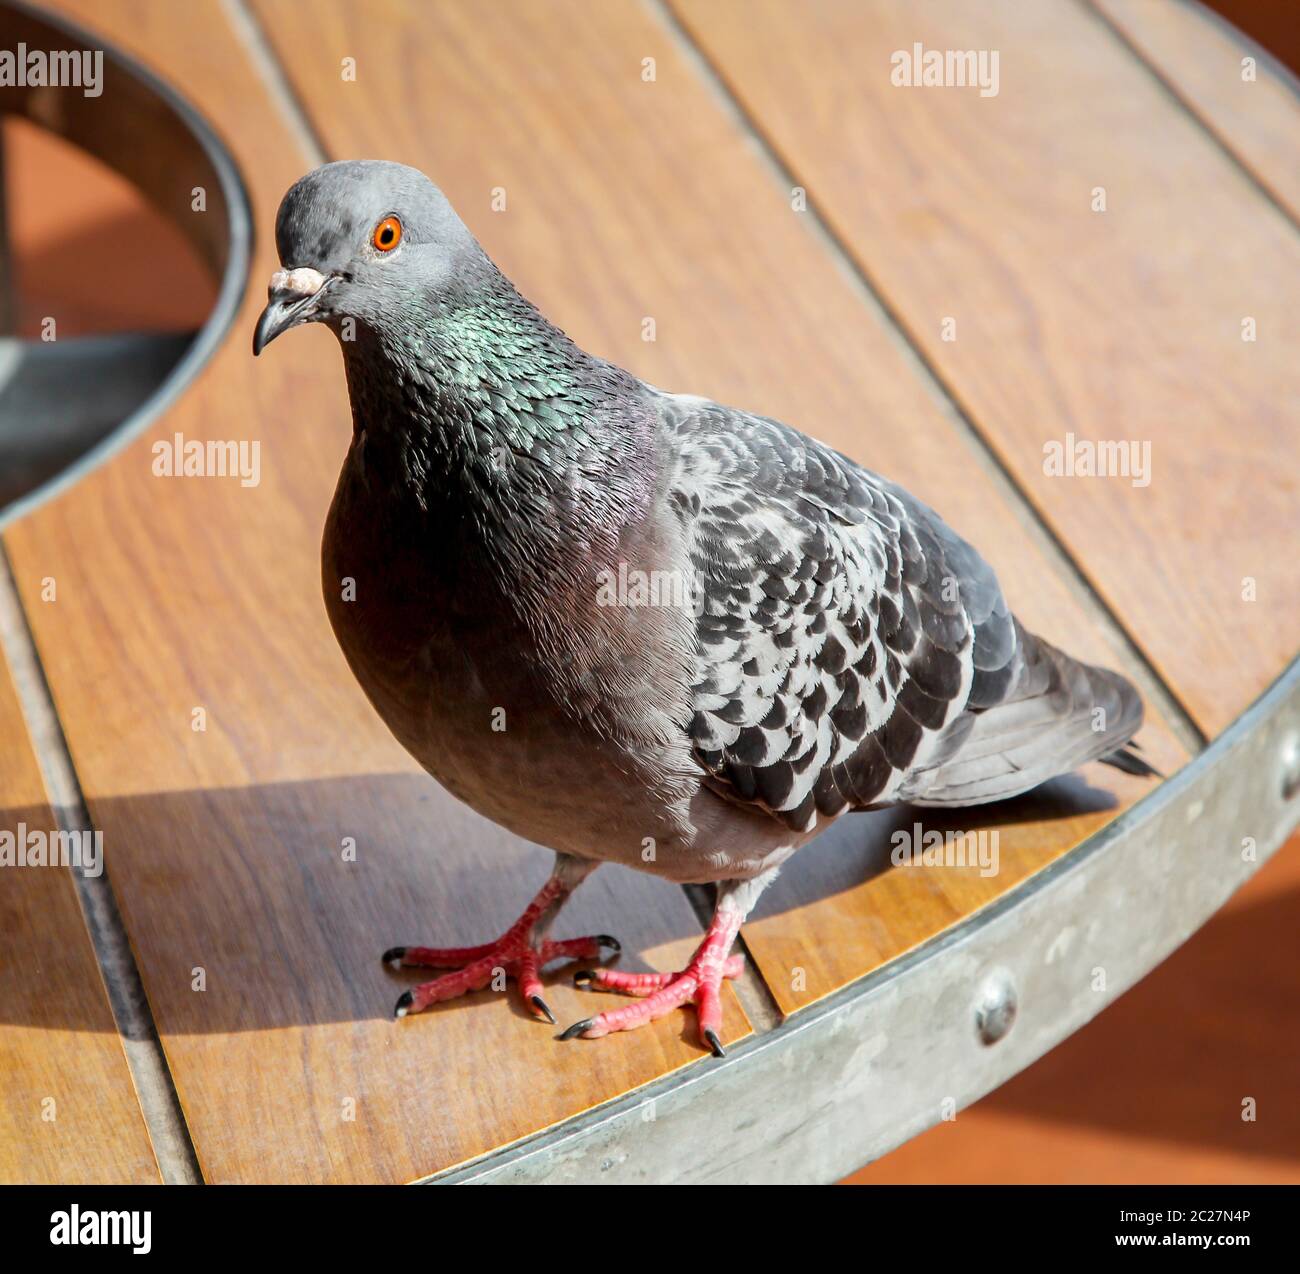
(291, 300)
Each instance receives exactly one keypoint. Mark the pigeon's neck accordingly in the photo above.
(467, 379)
(495, 433)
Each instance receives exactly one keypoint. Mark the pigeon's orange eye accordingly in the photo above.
(388, 234)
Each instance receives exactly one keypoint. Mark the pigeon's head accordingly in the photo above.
(363, 240)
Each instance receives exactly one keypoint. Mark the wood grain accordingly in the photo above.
(1199, 57)
(68, 1110)
(78, 232)
(229, 858)
(749, 308)
(1123, 325)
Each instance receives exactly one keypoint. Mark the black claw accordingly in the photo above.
(582, 979)
(404, 1002)
(393, 953)
(540, 1005)
(604, 940)
(715, 1043)
(576, 1029)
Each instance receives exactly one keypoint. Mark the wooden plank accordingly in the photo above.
(68, 1110)
(1200, 58)
(749, 308)
(202, 593)
(1070, 324)
(79, 232)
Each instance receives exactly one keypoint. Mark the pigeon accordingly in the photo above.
(636, 626)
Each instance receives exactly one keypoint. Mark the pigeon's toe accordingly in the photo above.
(516, 954)
(541, 1008)
(659, 994)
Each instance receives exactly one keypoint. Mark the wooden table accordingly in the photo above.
(922, 277)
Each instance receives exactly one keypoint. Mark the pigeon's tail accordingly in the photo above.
(1046, 716)
(1128, 759)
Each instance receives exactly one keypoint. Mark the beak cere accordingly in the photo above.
(289, 303)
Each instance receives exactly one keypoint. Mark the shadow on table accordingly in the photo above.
(279, 899)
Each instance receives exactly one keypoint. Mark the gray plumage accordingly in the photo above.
(832, 645)
(854, 651)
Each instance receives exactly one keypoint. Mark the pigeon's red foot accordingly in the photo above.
(658, 994)
(516, 954)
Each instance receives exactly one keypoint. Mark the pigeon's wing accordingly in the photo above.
(850, 645)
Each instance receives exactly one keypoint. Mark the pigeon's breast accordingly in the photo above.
(579, 746)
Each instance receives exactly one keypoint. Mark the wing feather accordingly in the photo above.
(852, 649)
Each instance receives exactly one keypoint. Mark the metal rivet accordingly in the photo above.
(995, 1006)
(1290, 767)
